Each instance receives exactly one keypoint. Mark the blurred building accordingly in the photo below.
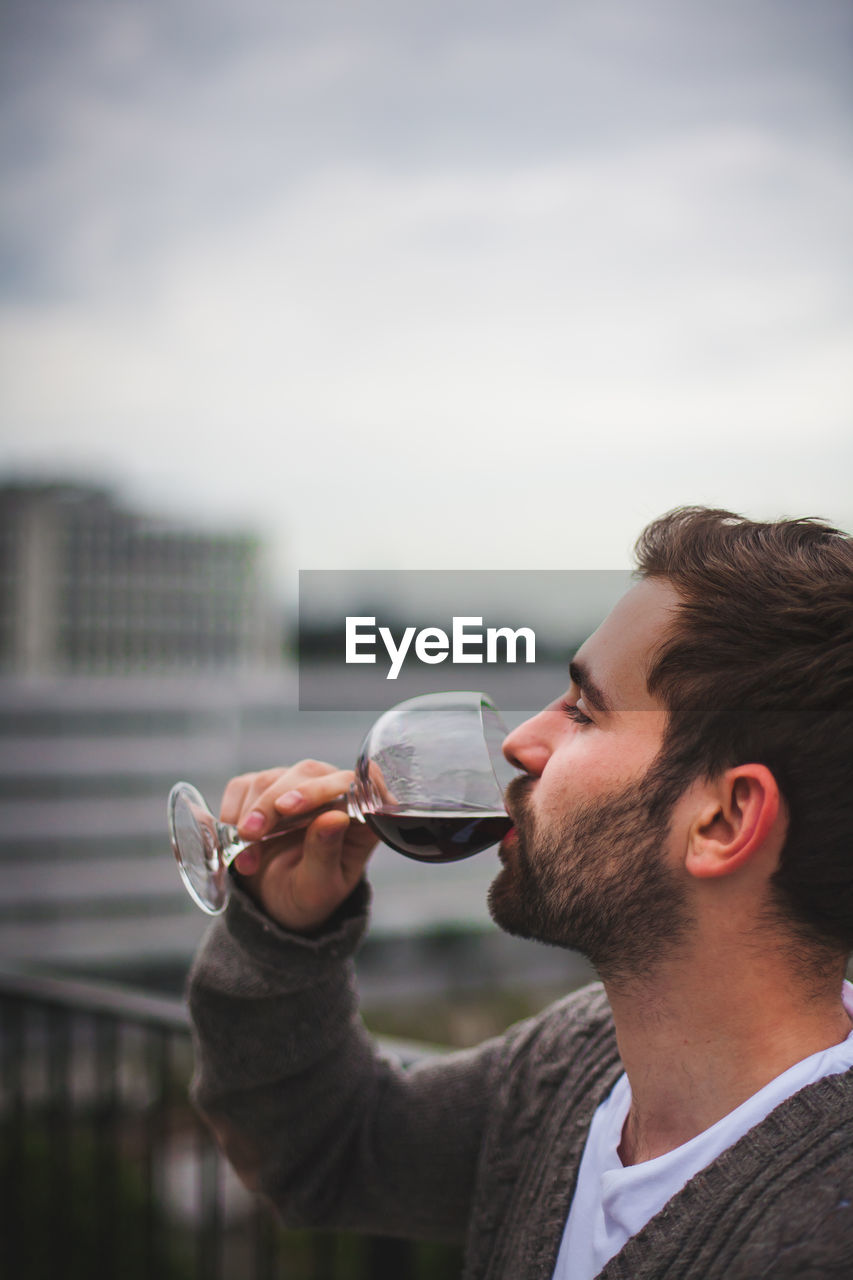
(132, 652)
(88, 587)
(87, 877)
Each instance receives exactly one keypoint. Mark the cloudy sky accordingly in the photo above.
(430, 283)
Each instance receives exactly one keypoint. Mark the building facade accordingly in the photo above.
(88, 587)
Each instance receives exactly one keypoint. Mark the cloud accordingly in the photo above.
(336, 267)
(128, 126)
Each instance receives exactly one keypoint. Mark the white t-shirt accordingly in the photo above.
(613, 1202)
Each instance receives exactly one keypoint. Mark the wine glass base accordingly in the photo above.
(208, 889)
(197, 850)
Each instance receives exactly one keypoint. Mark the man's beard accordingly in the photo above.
(598, 883)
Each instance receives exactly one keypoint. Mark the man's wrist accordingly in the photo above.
(276, 948)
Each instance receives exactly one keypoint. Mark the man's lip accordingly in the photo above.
(506, 846)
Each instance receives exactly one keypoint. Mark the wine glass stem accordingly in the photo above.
(232, 843)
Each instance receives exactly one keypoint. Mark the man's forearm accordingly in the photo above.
(306, 1109)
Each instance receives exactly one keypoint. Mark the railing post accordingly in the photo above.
(157, 1076)
(13, 1158)
(265, 1242)
(210, 1208)
(58, 1113)
(105, 1141)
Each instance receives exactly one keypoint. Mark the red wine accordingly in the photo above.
(439, 835)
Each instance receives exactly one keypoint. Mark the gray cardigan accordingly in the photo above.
(484, 1145)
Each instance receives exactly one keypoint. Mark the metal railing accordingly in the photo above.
(105, 1169)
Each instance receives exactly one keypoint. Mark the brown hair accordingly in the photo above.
(759, 669)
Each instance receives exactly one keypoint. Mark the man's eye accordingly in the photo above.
(575, 713)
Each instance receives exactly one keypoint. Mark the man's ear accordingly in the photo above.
(740, 810)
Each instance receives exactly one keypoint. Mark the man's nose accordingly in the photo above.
(526, 747)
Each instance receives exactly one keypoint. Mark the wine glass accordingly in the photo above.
(429, 781)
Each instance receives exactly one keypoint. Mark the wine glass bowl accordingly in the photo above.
(431, 774)
(429, 781)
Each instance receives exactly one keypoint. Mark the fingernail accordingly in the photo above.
(289, 800)
(247, 862)
(254, 824)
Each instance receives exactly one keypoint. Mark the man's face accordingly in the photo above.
(584, 866)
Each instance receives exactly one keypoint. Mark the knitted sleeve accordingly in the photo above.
(305, 1107)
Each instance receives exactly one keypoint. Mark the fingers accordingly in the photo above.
(289, 801)
(303, 874)
(303, 886)
(324, 843)
(320, 842)
(241, 792)
(327, 872)
(232, 798)
(254, 802)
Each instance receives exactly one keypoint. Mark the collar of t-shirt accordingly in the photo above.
(613, 1202)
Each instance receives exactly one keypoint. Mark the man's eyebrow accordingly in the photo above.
(595, 696)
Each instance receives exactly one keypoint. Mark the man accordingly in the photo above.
(684, 818)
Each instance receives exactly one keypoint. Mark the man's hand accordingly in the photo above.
(301, 879)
